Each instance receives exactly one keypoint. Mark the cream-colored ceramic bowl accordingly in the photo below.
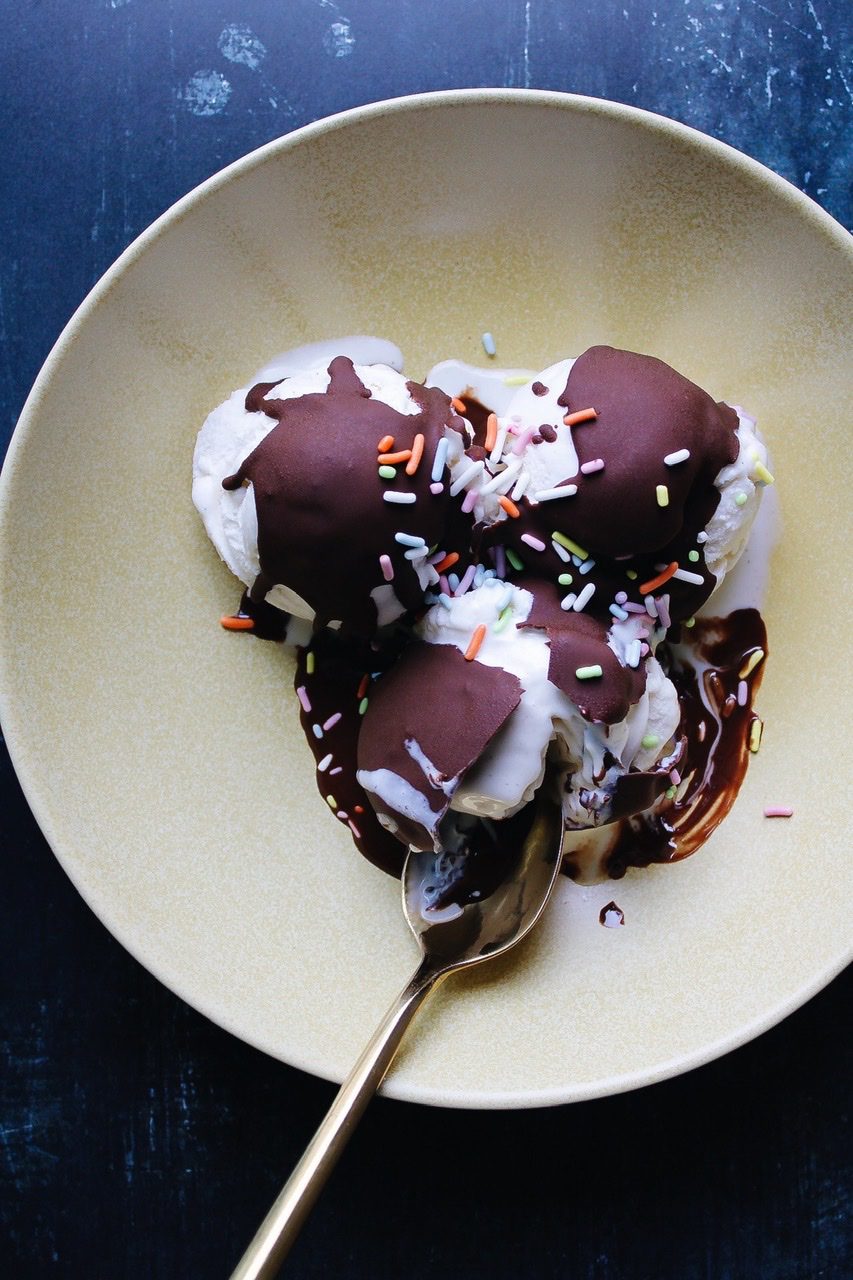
(162, 756)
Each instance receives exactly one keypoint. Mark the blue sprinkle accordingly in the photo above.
(585, 566)
(439, 459)
(444, 599)
(488, 344)
(409, 540)
(317, 730)
(621, 614)
(453, 579)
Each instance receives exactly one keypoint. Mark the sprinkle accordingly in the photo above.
(317, 731)
(561, 552)
(354, 829)
(584, 597)
(684, 575)
(415, 553)
(409, 540)
(337, 769)
(302, 695)
(580, 415)
(651, 606)
(323, 764)
(632, 574)
(444, 600)
(417, 453)
(488, 344)
(516, 380)
(332, 803)
(491, 431)
(675, 777)
(565, 579)
(742, 693)
(500, 561)
(569, 545)
(464, 476)
(689, 622)
(436, 487)
(447, 563)
(439, 458)
(476, 640)
(362, 706)
(466, 580)
(633, 653)
(663, 611)
(589, 468)
(504, 619)
(459, 405)
(404, 498)
(394, 459)
(358, 808)
(470, 500)
(650, 740)
(644, 650)
(237, 622)
(453, 580)
(634, 608)
(332, 721)
(509, 506)
(693, 556)
(618, 612)
(751, 663)
(778, 811)
(520, 487)
(673, 459)
(388, 473)
(387, 568)
(756, 732)
(593, 672)
(495, 455)
(654, 583)
(761, 474)
(310, 662)
(386, 444)
(621, 597)
(560, 491)
(662, 495)
(363, 685)
(701, 537)
(523, 440)
(740, 499)
(504, 479)
(568, 601)
(532, 541)
(514, 559)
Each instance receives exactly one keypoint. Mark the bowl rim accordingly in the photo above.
(820, 221)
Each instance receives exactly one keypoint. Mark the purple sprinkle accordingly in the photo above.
(674, 777)
(435, 487)
(500, 561)
(621, 597)
(633, 608)
(663, 610)
(742, 693)
(338, 769)
(332, 721)
(467, 579)
(444, 584)
(304, 699)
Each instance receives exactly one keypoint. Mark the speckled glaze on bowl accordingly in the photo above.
(162, 756)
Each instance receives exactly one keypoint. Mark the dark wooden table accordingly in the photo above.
(136, 1139)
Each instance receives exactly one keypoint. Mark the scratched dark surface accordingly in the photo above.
(136, 1139)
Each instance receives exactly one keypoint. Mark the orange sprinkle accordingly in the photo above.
(580, 415)
(386, 443)
(491, 432)
(417, 453)
(476, 640)
(237, 622)
(509, 506)
(459, 405)
(358, 808)
(391, 459)
(654, 583)
(363, 686)
(448, 561)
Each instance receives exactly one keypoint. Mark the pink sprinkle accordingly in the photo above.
(466, 580)
(644, 650)
(338, 769)
(674, 777)
(387, 568)
(304, 699)
(444, 584)
(742, 693)
(663, 611)
(621, 597)
(354, 829)
(524, 440)
(532, 541)
(778, 811)
(470, 499)
(597, 464)
(435, 487)
(332, 721)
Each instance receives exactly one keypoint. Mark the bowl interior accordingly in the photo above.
(162, 756)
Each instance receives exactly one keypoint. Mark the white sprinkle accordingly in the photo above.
(488, 344)
(561, 552)
(520, 487)
(701, 537)
(562, 491)
(439, 459)
(500, 441)
(504, 479)
(568, 601)
(584, 597)
(415, 553)
(680, 455)
(325, 762)
(536, 543)
(466, 474)
(684, 575)
(409, 540)
(405, 498)
(651, 606)
(633, 653)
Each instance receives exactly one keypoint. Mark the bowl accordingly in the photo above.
(162, 756)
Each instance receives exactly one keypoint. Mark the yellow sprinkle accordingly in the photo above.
(332, 803)
(662, 494)
(570, 546)
(751, 663)
(756, 729)
(309, 662)
(761, 474)
(517, 380)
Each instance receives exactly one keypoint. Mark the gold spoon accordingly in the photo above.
(463, 909)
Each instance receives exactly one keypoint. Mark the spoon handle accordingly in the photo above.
(296, 1199)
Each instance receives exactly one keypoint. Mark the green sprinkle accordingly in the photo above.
(388, 473)
(565, 579)
(693, 555)
(589, 673)
(362, 706)
(650, 740)
(504, 618)
(662, 494)
(570, 546)
(632, 574)
(515, 560)
(689, 622)
(332, 803)
(740, 499)
(309, 662)
(517, 380)
(671, 793)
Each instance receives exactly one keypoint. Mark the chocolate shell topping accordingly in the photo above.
(323, 521)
